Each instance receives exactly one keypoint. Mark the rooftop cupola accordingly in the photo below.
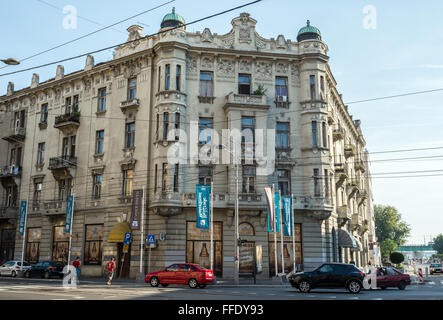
(172, 20)
(308, 33)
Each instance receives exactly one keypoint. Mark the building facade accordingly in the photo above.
(102, 132)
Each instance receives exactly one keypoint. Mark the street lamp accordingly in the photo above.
(10, 61)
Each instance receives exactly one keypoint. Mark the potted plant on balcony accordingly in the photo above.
(260, 91)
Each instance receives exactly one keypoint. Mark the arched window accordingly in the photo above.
(246, 229)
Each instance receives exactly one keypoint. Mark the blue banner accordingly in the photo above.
(203, 206)
(23, 212)
(287, 215)
(69, 213)
(277, 211)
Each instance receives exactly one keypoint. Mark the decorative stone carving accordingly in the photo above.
(259, 42)
(295, 74)
(227, 41)
(207, 36)
(281, 67)
(207, 62)
(263, 70)
(60, 73)
(35, 80)
(244, 65)
(86, 84)
(131, 70)
(191, 64)
(225, 68)
(89, 62)
(281, 42)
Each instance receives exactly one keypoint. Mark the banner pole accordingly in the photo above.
(24, 233)
(280, 213)
(293, 231)
(211, 254)
(142, 231)
(275, 232)
(71, 227)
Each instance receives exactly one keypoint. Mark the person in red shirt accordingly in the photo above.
(110, 266)
(76, 265)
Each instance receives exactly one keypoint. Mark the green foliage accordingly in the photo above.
(438, 256)
(387, 247)
(438, 244)
(389, 225)
(261, 91)
(396, 257)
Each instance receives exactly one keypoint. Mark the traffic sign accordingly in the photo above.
(125, 248)
(150, 239)
(127, 239)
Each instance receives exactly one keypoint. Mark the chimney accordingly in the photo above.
(60, 73)
(89, 63)
(357, 123)
(35, 80)
(135, 32)
(10, 90)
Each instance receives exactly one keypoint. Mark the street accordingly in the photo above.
(52, 289)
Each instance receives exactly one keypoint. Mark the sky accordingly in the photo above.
(376, 49)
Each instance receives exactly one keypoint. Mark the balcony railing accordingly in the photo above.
(349, 150)
(246, 100)
(128, 105)
(10, 171)
(62, 162)
(338, 133)
(360, 165)
(15, 134)
(67, 121)
(8, 212)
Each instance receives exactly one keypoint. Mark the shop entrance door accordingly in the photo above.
(7, 245)
(123, 261)
(246, 265)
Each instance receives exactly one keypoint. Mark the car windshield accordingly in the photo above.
(9, 264)
(200, 267)
(436, 265)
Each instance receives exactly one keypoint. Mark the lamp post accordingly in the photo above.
(10, 61)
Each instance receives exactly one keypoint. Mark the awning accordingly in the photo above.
(117, 233)
(346, 240)
(359, 246)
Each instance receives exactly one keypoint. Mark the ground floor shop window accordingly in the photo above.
(7, 245)
(287, 252)
(94, 244)
(198, 246)
(33, 245)
(60, 245)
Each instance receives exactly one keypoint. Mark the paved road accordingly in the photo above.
(40, 289)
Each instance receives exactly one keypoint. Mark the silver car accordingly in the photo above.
(11, 268)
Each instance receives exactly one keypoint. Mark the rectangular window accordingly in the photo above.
(324, 135)
(128, 177)
(322, 87)
(33, 238)
(205, 175)
(41, 153)
(248, 129)
(132, 88)
(130, 135)
(176, 168)
(101, 100)
(312, 87)
(177, 126)
(326, 177)
(284, 181)
(65, 147)
(68, 105)
(157, 127)
(94, 244)
(244, 84)
(165, 125)
(44, 113)
(167, 76)
(314, 134)
(282, 135)
(11, 196)
(204, 135)
(64, 189)
(99, 141)
(22, 118)
(97, 186)
(206, 84)
(12, 157)
(155, 177)
(164, 177)
(37, 190)
(159, 78)
(75, 103)
(281, 89)
(60, 244)
(72, 146)
(18, 157)
(248, 175)
(178, 77)
(316, 183)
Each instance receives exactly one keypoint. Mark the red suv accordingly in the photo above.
(391, 277)
(181, 273)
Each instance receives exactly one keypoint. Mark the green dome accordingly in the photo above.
(172, 20)
(308, 32)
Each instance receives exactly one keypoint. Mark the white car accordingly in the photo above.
(11, 268)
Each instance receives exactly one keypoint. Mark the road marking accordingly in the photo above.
(252, 293)
(271, 294)
(441, 281)
(377, 299)
(432, 283)
(333, 297)
(235, 292)
(79, 297)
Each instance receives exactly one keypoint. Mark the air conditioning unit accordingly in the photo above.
(282, 98)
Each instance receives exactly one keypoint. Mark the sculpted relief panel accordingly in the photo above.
(225, 68)
(263, 70)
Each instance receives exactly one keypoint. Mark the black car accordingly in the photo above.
(46, 270)
(329, 275)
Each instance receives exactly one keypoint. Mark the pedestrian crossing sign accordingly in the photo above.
(150, 239)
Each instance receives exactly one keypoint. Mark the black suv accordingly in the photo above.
(46, 270)
(329, 275)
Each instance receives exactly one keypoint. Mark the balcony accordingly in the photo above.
(245, 101)
(63, 167)
(338, 133)
(343, 217)
(352, 187)
(282, 102)
(362, 195)
(68, 122)
(356, 221)
(341, 172)
(283, 156)
(10, 175)
(8, 212)
(15, 135)
(129, 105)
(360, 165)
(54, 207)
(350, 150)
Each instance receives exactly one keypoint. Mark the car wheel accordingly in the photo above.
(13, 274)
(154, 282)
(354, 286)
(164, 285)
(46, 275)
(383, 288)
(27, 274)
(192, 283)
(304, 286)
(202, 286)
(402, 285)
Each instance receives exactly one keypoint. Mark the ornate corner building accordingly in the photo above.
(104, 131)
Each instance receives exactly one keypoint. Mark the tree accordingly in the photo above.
(438, 244)
(390, 226)
(387, 247)
(396, 257)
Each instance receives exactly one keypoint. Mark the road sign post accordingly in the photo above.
(150, 241)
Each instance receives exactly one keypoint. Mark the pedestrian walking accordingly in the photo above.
(110, 267)
(76, 265)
